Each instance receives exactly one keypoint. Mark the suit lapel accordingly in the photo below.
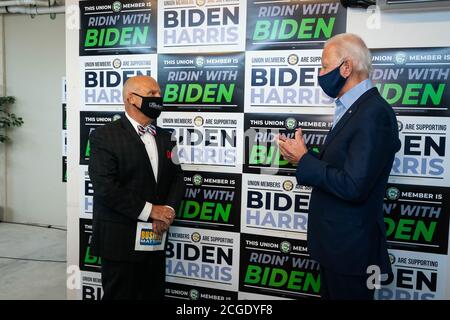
(139, 144)
(161, 152)
(344, 120)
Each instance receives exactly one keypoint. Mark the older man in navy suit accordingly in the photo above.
(346, 232)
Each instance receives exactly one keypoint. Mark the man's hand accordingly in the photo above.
(292, 149)
(160, 227)
(162, 213)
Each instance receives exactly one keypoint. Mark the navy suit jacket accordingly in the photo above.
(346, 231)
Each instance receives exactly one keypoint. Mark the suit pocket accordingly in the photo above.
(342, 237)
(117, 238)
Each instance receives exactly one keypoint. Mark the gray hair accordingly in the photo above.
(351, 46)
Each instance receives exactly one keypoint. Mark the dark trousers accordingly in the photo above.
(134, 280)
(334, 286)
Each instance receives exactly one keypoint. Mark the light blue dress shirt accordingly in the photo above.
(345, 102)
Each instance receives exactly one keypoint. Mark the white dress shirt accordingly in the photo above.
(152, 152)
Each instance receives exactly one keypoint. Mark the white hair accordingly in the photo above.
(349, 45)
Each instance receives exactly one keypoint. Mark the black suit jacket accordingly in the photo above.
(346, 231)
(123, 180)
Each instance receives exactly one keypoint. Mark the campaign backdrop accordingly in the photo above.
(234, 74)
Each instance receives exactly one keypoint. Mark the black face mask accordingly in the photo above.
(150, 106)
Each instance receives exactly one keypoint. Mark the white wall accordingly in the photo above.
(397, 29)
(35, 64)
(73, 135)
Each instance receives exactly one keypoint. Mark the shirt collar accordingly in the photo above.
(354, 93)
(134, 123)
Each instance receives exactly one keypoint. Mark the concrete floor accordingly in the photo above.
(32, 280)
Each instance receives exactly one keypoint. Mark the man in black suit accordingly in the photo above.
(346, 231)
(136, 179)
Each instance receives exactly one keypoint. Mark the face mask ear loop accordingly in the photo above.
(139, 97)
(345, 59)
